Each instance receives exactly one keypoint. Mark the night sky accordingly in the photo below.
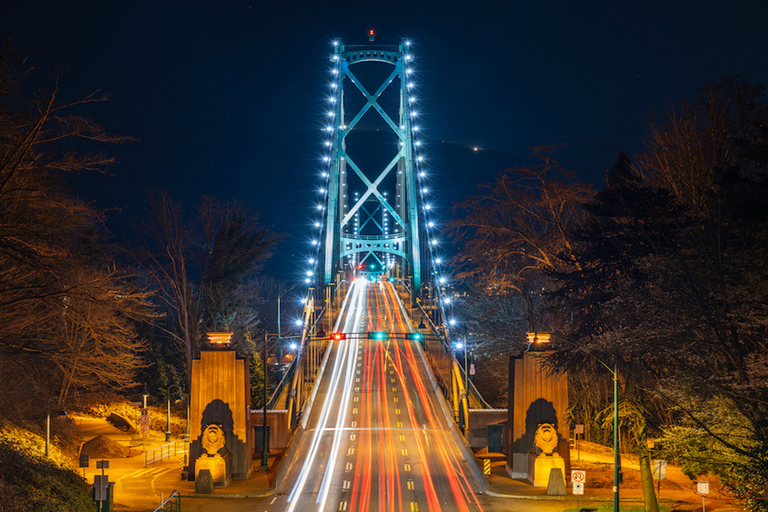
(226, 97)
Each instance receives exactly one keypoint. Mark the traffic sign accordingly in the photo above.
(579, 429)
(100, 484)
(702, 487)
(144, 419)
(472, 368)
(578, 488)
(578, 476)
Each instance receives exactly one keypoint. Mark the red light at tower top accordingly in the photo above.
(371, 36)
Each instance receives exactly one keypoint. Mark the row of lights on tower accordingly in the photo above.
(330, 130)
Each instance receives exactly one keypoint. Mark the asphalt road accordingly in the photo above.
(377, 439)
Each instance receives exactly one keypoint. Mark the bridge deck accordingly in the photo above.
(379, 436)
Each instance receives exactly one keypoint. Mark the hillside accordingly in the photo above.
(30, 481)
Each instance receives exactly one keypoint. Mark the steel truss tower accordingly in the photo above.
(372, 225)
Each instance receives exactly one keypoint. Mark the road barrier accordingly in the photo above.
(164, 452)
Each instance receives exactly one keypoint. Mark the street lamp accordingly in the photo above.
(279, 336)
(264, 449)
(168, 419)
(48, 429)
(459, 346)
(534, 337)
(279, 297)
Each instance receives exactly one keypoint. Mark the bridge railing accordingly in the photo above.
(440, 336)
(296, 385)
(172, 504)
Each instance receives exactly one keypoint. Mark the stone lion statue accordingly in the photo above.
(545, 438)
(213, 439)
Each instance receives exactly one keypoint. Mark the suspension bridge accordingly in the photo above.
(375, 411)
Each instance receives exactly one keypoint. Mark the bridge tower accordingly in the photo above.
(372, 212)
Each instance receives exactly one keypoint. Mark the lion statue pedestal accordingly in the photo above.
(544, 457)
(215, 457)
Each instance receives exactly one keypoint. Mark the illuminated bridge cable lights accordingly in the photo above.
(344, 241)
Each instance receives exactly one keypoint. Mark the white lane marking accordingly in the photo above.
(309, 462)
(344, 406)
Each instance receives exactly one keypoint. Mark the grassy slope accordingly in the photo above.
(30, 481)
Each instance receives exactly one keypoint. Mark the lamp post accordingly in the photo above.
(264, 449)
(168, 418)
(279, 335)
(48, 429)
(279, 297)
(534, 337)
(463, 346)
(189, 399)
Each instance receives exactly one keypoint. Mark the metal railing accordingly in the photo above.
(164, 452)
(473, 394)
(172, 504)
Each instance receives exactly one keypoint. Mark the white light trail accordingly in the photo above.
(346, 352)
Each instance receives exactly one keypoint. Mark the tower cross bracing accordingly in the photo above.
(358, 230)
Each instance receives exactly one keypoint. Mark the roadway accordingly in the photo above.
(377, 438)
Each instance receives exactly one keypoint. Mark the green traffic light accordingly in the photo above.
(413, 336)
(377, 335)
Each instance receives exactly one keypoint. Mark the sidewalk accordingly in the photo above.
(139, 487)
(677, 491)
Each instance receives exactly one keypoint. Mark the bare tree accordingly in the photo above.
(516, 227)
(43, 265)
(200, 266)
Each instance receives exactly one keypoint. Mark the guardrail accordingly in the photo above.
(164, 452)
(445, 344)
(172, 504)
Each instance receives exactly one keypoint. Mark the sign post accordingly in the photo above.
(659, 472)
(144, 420)
(101, 483)
(578, 429)
(84, 458)
(578, 477)
(702, 487)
